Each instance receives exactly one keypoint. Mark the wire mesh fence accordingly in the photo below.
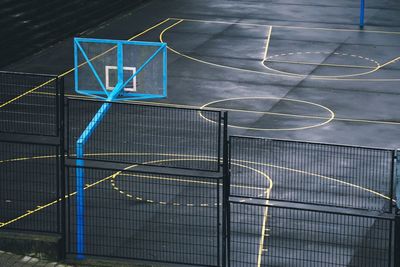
(132, 132)
(148, 216)
(273, 235)
(29, 104)
(29, 180)
(324, 174)
(31, 149)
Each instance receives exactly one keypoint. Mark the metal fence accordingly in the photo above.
(29, 179)
(309, 204)
(151, 135)
(153, 183)
(159, 186)
(29, 104)
(31, 149)
(148, 215)
(323, 174)
(270, 234)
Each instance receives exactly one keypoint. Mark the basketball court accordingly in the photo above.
(296, 70)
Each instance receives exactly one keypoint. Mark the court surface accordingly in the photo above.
(290, 70)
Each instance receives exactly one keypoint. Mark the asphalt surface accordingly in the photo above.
(289, 70)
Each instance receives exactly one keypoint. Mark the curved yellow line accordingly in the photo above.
(320, 176)
(320, 77)
(41, 207)
(82, 64)
(161, 38)
(286, 26)
(198, 182)
(332, 114)
(239, 110)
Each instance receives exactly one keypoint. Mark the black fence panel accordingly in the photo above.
(272, 235)
(31, 152)
(324, 174)
(151, 135)
(148, 216)
(29, 104)
(29, 187)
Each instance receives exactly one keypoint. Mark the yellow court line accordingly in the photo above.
(27, 92)
(181, 155)
(267, 42)
(277, 73)
(184, 180)
(286, 26)
(311, 116)
(82, 64)
(263, 228)
(321, 176)
(107, 51)
(273, 129)
(241, 110)
(320, 64)
(390, 62)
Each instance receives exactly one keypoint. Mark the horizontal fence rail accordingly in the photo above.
(151, 135)
(26, 112)
(270, 235)
(29, 180)
(31, 149)
(148, 215)
(323, 174)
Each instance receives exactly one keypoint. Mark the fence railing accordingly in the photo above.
(148, 215)
(31, 152)
(270, 234)
(159, 186)
(314, 173)
(26, 112)
(151, 135)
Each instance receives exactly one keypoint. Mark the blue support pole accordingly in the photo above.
(362, 11)
(96, 120)
(165, 71)
(80, 162)
(397, 179)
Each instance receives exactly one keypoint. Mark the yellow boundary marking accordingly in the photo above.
(140, 198)
(26, 93)
(179, 155)
(311, 76)
(273, 129)
(185, 180)
(279, 73)
(267, 42)
(284, 26)
(190, 157)
(240, 110)
(320, 64)
(263, 228)
(82, 64)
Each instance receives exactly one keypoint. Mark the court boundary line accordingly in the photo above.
(273, 72)
(82, 64)
(87, 186)
(285, 26)
(237, 110)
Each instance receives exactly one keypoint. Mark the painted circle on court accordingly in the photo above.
(294, 59)
(323, 118)
(140, 195)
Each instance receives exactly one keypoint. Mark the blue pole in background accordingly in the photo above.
(362, 11)
(397, 179)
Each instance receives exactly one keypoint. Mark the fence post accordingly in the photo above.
(397, 240)
(61, 151)
(362, 11)
(225, 194)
